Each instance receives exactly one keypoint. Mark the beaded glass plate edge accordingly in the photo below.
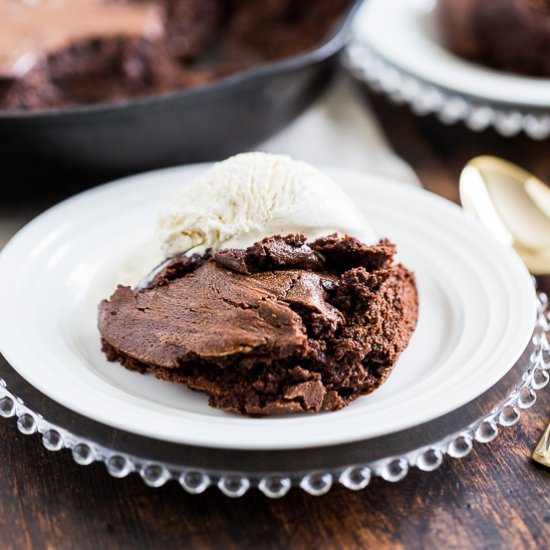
(353, 477)
(449, 107)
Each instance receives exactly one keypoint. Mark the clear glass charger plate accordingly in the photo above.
(410, 65)
(479, 353)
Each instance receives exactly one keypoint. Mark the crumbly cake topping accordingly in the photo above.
(283, 326)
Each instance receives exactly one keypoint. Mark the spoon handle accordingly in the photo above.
(542, 451)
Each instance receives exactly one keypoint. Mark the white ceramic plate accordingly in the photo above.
(397, 50)
(405, 34)
(477, 313)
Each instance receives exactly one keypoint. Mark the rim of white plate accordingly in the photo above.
(413, 46)
(40, 247)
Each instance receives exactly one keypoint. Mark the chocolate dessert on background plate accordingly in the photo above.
(55, 53)
(513, 35)
(306, 319)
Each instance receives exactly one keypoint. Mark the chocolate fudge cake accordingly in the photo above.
(286, 325)
(55, 53)
(512, 35)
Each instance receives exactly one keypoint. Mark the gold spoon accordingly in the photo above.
(515, 206)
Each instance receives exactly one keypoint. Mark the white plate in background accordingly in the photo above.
(396, 49)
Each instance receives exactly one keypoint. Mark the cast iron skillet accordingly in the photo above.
(222, 118)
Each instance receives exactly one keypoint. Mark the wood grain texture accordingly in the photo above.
(497, 497)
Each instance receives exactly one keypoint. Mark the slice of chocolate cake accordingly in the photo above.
(283, 326)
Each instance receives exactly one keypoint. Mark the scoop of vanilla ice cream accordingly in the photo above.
(250, 196)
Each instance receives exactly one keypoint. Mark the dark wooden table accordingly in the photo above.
(495, 498)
